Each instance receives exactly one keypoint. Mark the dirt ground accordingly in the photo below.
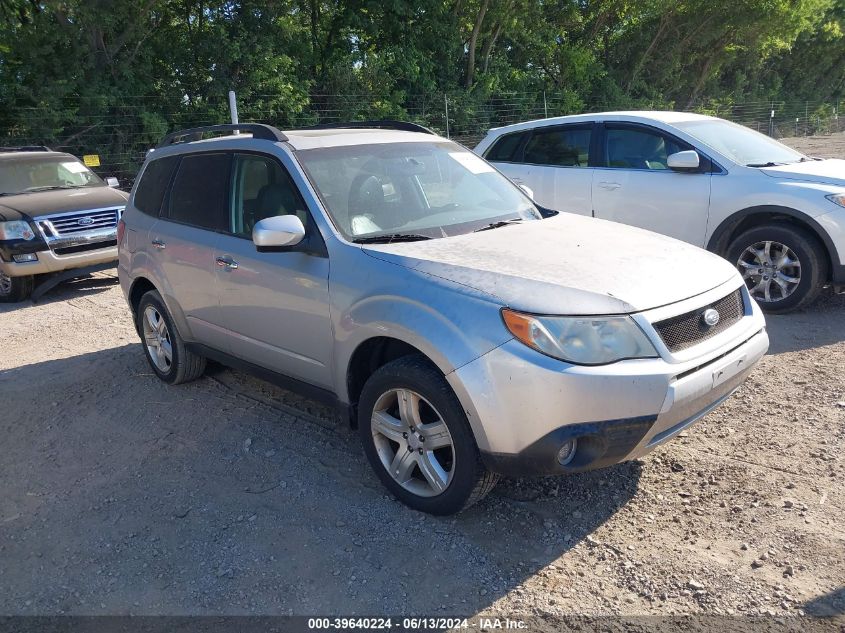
(122, 495)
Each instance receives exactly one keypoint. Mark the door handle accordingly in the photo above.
(227, 262)
(610, 186)
(159, 245)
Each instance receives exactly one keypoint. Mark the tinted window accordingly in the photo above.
(637, 148)
(150, 190)
(262, 189)
(559, 147)
(504, 150)
(200, 193)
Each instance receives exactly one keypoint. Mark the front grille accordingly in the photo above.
(82, 248)
(65, 224)
(686, 330)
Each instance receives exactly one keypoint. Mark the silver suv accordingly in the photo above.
(403, 278)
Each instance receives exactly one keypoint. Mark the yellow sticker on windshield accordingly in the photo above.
(91, 160)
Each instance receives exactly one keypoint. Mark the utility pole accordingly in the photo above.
(233, 107)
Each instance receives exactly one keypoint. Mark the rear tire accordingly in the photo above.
(163, 346)
(784, 266)
(15, 289)
(436, 466)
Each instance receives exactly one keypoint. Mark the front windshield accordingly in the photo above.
(739, 143)
(426, 190)
(42, 173)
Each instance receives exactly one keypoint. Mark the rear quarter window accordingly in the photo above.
(150, 191)
(504, 150)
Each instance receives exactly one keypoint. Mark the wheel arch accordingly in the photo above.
(369, 356)
(750, 217)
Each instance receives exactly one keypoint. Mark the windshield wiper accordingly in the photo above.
(769, 164)
(496, 225)
(391, 237)
(51, 188)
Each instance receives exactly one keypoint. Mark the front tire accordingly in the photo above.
(163, 346)
(417, 438)
(15, 289)
(784, 266)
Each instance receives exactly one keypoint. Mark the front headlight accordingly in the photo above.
(581, 340)
(16, 230)
(837, 198)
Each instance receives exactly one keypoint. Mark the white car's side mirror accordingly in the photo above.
(112, 182)
(527, 190)
(278, 231)
(684, 161)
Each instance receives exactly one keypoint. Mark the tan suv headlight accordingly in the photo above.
(582, 340)
(16, 230)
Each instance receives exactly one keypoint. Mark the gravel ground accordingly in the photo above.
(122, 495)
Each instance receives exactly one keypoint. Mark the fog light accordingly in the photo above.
(567, 452)
(26, 257)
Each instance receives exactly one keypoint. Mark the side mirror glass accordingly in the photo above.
(113, 182)
(278, 231)
(527, 190)
(683, 161)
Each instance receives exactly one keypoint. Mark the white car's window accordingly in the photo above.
(559, 147)
(638, 148)
(428, 190)
(739, 143)
(27, 175)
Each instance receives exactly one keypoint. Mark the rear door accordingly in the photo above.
(559, 157)
(634, 185)
(182, 241)
(274, 305)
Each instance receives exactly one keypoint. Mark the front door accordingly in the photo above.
(635, 186)
(274, 305)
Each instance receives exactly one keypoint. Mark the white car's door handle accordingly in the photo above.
(227, 262)
(610, 186)
(159, 244)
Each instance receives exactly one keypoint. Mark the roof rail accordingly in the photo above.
(386, 124)
(26, 148)
(258, 130)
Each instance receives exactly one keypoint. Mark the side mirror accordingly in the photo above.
(683, 161)
(112, 182)
(527, 190)
(278, 231)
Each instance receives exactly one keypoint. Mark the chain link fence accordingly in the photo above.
(121, 130)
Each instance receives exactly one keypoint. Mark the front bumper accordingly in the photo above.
(50, 262)
(523, 406)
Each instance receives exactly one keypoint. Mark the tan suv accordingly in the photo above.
(56, 216)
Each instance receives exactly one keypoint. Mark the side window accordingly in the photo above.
(559, 147)
(638, 148)
(149, 193)
(261, 189)
(505, 148)
(200, 192)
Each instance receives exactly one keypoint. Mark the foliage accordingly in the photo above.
(115, 74)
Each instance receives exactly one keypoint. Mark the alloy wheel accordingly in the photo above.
(413, 442)
(157, 339)
(771, 270)
(5, 285)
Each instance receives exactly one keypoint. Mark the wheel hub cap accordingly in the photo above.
(771, 270)
(413, 442)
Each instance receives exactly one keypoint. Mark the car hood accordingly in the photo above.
(40, 203)
(829, 172)
(567, 264)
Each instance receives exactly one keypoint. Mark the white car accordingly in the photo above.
(778, 215)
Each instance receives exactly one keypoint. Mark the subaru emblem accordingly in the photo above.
(711, 317)
(85, 221)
